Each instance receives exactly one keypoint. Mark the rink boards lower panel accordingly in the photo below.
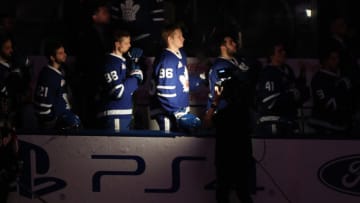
(155, 168)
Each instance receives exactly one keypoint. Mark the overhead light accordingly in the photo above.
(308, 12)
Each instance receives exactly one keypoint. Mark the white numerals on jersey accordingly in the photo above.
(112, 76)
(42, 91)
(269, 85)
(166, 73)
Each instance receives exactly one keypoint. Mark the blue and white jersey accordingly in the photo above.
(276, 92)
(170, 85)
(117, 88)
(332, 99)
(51, 97)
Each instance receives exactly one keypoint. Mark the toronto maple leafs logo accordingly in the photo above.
(184, 80)
(129, 10)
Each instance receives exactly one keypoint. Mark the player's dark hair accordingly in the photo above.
(118, 35)
(3, 38)
(218, 40)
(270, 51)
(325, 53)
(51, 46)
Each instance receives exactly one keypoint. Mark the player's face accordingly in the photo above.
(333, 61)
(339, 27)
(60, 56)
(177, 39)
(230, 46)
(6, 50)
(279, 56)
(124, 45)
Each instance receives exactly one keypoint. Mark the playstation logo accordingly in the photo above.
(33, 181)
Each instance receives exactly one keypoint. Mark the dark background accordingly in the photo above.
(259, 21)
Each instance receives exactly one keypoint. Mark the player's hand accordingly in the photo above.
(344, 83)
(187, 121)
(70, 120)
(135, 54)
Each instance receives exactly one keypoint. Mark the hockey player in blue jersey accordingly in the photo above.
(119, 81)
(279, 95)
(51, 101)
(170, 85)
(332, 110)
(15, 79)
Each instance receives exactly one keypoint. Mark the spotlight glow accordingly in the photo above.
(308, 12)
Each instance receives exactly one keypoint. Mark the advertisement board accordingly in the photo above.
(68, 169)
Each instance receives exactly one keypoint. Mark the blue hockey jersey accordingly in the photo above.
(278, 93)
(170, 85)
(332, 99)
(224, 69)
(51, 96)
(117, 88)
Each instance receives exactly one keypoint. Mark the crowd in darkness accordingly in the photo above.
(256, 20)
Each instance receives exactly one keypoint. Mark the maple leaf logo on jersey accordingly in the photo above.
(129, 10)
(184, 80)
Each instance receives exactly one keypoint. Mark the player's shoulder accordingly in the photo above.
(50, 74)
(269, 70)
(220, 63)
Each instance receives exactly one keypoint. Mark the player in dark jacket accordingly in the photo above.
(231, 95)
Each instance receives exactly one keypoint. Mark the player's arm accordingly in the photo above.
(213, 80)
